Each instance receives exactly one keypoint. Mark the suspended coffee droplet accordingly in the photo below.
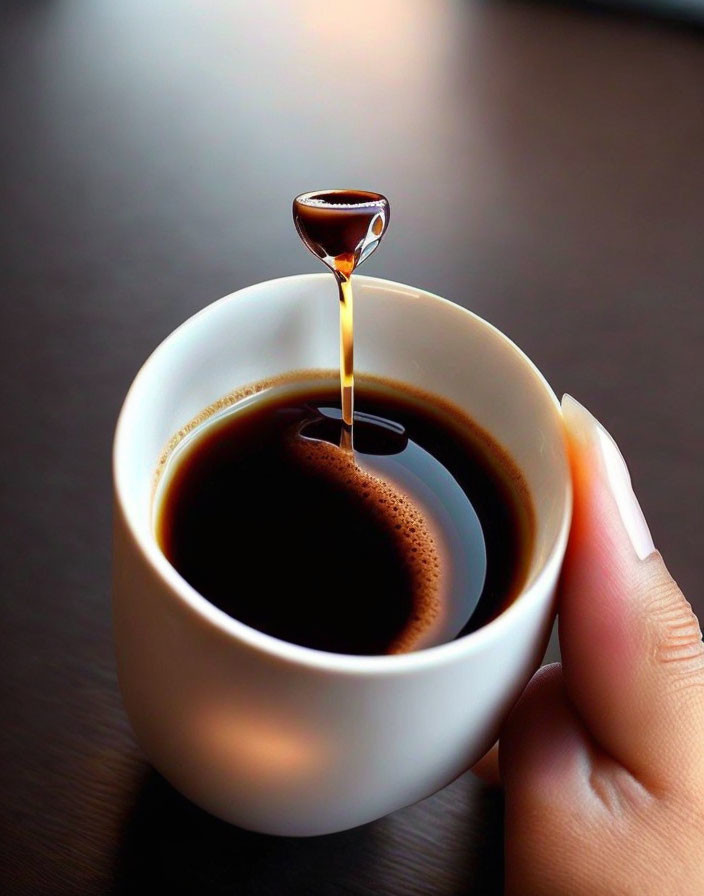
(343, 228)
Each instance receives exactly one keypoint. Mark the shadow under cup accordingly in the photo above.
(273, 736)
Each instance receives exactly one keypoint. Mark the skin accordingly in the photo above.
(602, 758)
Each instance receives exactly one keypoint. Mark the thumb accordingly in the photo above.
(633, 659)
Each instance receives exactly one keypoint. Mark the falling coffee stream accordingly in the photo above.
(346, 359)
(343, 228)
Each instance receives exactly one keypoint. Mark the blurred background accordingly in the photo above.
(545, 166)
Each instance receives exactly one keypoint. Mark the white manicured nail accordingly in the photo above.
(586, 428)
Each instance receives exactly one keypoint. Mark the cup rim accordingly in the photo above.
(276, 648)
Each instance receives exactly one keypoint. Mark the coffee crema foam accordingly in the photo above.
(330, 203)
(405, 522)
(300, 378)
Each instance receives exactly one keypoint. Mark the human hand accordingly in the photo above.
(602, 758)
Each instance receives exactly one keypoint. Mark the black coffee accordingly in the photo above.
(420, 535)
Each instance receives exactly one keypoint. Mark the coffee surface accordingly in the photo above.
(419, 535)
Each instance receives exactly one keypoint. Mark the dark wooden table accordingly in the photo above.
(546, 168)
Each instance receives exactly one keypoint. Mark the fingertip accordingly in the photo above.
(602, 565)
(620, 612)
(600, 472)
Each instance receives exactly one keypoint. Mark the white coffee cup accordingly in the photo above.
(273, 736)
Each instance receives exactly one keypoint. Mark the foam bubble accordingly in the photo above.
(405, 522)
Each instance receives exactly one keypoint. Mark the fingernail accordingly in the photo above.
(586, 428)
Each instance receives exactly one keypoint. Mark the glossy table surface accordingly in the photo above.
(545, 169)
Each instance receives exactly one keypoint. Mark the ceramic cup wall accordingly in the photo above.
(280, 738)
